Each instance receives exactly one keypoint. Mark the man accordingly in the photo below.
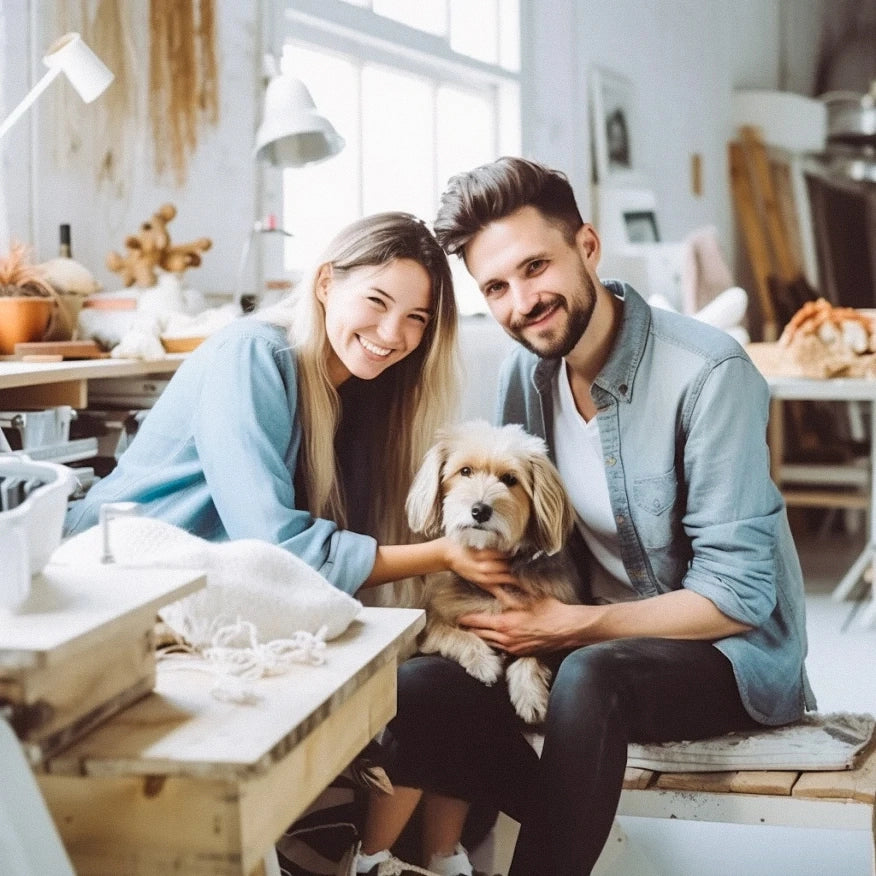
(657, 423)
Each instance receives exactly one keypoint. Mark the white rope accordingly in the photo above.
(237, 658)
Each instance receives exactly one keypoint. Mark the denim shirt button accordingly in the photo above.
(623, 389)
(619, 519)
(610, 460)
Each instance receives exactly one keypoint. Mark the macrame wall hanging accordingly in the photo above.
(165, 71)
(183, 82)
(104, 133)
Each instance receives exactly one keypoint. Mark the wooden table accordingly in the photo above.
(786, 387)
(842, 389)
(184, 782)
(42, 384)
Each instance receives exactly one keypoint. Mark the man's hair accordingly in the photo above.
(474, 199)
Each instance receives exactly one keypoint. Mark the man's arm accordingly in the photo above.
(549, 625)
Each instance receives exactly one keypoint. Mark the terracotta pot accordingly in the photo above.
(23, 319)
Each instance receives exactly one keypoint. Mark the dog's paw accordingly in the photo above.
(483, 664)
(528, 680)
(471, 652)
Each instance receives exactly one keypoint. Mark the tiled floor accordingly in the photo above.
(842, 669)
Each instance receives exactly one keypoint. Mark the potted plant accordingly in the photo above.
(27, 300)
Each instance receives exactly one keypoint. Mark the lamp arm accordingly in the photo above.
(29, 98)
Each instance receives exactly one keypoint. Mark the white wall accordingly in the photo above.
(683, 56)
(217, 201)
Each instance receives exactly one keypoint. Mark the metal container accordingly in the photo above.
(851, 117)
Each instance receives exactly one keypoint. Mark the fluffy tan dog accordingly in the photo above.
(491, 487)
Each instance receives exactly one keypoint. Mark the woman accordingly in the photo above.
(303, 425)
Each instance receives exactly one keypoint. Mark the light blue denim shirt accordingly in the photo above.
(217, 456)
(682, 416)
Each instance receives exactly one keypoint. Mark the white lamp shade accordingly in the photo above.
(292, 132)
(86, 72)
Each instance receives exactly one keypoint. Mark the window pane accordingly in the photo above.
(509, 34)
(474, 29)
(397, 142)
(320, 198)
(426, 15)
(471, 113)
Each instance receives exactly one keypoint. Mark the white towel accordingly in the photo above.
(247, 580)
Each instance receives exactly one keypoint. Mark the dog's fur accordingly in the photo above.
(490, 487)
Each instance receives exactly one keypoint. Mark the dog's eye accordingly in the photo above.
(508, 479)
(465, 471)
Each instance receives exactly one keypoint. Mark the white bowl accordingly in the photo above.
(30, 532)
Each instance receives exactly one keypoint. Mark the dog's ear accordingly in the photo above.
(424, 502)
(553, 516)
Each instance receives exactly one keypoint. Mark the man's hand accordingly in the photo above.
(530, 628)
(550, 625)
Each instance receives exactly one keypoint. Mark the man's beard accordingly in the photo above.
(579, 318)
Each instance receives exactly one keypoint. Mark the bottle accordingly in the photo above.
(65, 250)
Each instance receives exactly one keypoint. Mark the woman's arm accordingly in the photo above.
(483, 567)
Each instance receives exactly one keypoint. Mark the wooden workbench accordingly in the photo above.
(184, 782)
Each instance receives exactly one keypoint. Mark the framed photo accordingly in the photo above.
(612, 115)
(641, 226)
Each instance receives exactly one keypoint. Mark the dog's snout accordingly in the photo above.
(481, 512)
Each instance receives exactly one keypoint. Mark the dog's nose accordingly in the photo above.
(481, 512)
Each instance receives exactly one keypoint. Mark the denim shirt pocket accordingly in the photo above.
(655, 499)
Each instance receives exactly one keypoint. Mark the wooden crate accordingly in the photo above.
(81, 648)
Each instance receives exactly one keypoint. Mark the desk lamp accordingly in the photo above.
(69, 55)
(292, 134)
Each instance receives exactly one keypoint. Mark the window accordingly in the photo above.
(419, 91)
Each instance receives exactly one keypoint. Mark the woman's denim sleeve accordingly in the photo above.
(248, 434)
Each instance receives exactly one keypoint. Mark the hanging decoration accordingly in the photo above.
(183, 82)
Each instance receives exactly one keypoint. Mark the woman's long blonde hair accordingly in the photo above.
(413, 398)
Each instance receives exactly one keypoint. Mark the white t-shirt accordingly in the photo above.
(578, 454)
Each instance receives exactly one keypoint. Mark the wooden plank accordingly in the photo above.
(64, 349)
(638, 778)
(717, 782)
(758, 163)
(797, 498)
(52, 706)
(14, 373)
(70, 609)
(182, 729)
(755, 242)
(152, 824)
(775, 782)
(769, 782)
(858, 784)
(67, 392)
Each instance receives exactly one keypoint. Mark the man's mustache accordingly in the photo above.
(534, 315)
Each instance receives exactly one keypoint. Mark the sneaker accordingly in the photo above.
(394, 866)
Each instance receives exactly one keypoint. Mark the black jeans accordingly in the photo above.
(456, 736)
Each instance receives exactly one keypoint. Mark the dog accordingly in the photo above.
(492, 487)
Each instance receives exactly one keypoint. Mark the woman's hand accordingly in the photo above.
(489, 569)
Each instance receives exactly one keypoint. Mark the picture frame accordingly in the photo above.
(641, 226)
(613, 126)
